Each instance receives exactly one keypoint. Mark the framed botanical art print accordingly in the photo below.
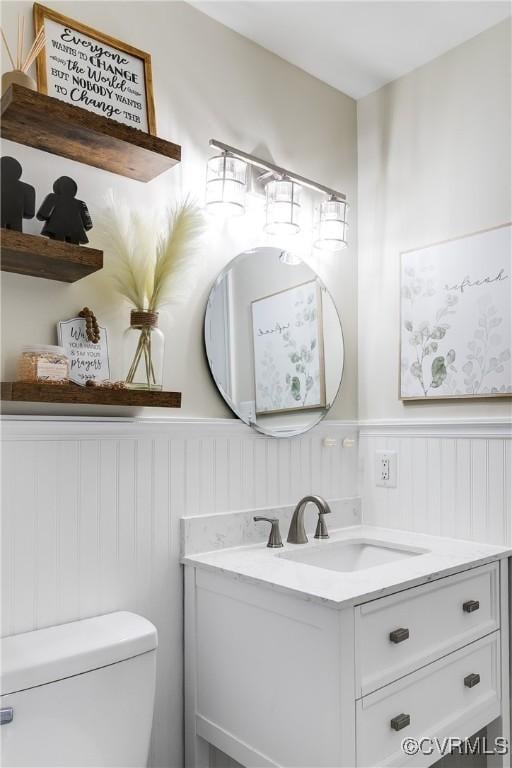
(92, 70)
(456, 318)
(287, 329)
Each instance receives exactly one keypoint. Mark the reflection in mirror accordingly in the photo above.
(274, 342)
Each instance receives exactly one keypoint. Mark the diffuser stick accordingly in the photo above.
(18, 58)
(22, 36)
(8, 50)
(35, 50)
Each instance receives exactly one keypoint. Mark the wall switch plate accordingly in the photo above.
(386, 468)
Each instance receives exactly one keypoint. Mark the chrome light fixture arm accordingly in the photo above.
(276, 170)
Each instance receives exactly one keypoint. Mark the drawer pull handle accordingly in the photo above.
(400, 721)
(470, 606)
(471, 680)
(399, 635)
(6, 715)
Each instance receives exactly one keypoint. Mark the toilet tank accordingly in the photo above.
(79, 694)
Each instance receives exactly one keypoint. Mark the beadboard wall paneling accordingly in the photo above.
(454, 478)
(91, 510)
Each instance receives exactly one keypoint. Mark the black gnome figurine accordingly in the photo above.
(66, 217)
(18, 198)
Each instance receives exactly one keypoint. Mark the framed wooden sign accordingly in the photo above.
(89, 69)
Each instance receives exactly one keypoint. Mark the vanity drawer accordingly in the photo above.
(443, 699)
(397, 634)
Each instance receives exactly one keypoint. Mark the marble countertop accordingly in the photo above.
(257, 563)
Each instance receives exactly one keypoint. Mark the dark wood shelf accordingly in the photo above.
(41, 257)
(19, 391)
(46, 123)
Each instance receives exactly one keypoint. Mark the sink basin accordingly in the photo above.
(352, 555)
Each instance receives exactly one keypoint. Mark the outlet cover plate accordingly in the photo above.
(386, 469)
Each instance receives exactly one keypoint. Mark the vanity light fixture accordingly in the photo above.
(282, 208)
(226, 184)
(283, 196)
(332, 225)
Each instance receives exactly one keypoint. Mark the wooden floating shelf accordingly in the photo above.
(49, 124)
(23, 392)
(41, 257)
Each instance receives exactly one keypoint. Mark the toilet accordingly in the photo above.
(79, 694)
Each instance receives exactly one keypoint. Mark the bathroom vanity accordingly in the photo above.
(331, 653)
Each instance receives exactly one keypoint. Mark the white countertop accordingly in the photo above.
(258, 563)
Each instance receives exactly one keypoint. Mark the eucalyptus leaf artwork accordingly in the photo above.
(288, 350)
(456, 318)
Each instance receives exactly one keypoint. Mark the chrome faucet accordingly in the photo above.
(297, 532)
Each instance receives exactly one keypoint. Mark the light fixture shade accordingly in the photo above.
(332, 225)
(226, 184)
(282, 207)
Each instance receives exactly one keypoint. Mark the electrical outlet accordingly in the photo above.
(386, 468)
(385, 472)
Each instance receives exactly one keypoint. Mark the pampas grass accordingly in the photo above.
(129, 241)
(149, 268)
(175, 248)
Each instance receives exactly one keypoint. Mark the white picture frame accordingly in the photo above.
(288, 347)
(456, 318)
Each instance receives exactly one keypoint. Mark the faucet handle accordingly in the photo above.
(321, 531)
(274, 539)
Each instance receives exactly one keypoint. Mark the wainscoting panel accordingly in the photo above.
(453, 479)
(91, 510)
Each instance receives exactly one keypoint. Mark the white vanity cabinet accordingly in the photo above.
(275, 679)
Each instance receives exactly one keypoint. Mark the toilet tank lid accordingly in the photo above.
(46, 655)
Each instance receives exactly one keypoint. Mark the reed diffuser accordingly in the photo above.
(20, 63)
(151, 269)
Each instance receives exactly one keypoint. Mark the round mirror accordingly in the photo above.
(274, 342)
